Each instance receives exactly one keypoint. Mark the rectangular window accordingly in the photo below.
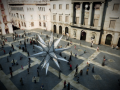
(77, 20)
(43, 17)
(60, 18)
(31, 16)
(66, 18)
(86, 21)
(23, 17)
(32, 24)
(67, 6)
(39, 17)
(39, 23)
(54, 6)
(54, 17)
(44, 24)
(112, 24)
(115, 7)
(60, 6)
(95, 22)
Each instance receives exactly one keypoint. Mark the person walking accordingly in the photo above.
(7, 59)
(93, 69)
(78, 79)
(10, 68)
(11, 74)
(42, 87)
(75, 55)
(34, 79)
(4, 51)
(1, 67)
(75, 75)
(59, 74)
(70, 59)
(28, 53)
(22, 67)
(37, 72)
(75, 47)
(68, 85)
(21, 81)
(76, 68)
(64, 83)
(13, 62)
(28, 70)
(81, 72)
(13, 48)
(87, 71)
(70, 67)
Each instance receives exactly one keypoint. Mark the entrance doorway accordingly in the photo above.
(118, 43)
(60, 29)
(6, 30)
(83, 35)
(54, 28)
(108, 39)
(66, 30)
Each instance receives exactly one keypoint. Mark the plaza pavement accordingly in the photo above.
(105, 77)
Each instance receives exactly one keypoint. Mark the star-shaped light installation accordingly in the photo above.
(50, 51)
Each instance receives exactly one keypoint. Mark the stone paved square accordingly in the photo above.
(49, 81)
(15, 56)
(114, 64)
(102, 79)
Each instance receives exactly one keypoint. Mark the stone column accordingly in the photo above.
(52, 29)
(81, 8)
(78, 34)
(72, 12)
(90, 14)
(101, 15)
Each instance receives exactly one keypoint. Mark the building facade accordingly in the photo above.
(96, 21)
(30, 14)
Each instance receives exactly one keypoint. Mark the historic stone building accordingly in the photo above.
(60, 16)
(88, 20)
(30, 14)
(111, 29)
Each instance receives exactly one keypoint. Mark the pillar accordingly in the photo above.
(72, 13)
(101, 15)
(81, 8)
(90, 14)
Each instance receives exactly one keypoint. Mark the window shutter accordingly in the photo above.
(67, 6)
(112, 24)
(116, 7)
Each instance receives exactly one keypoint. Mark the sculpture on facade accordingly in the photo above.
(50, 51)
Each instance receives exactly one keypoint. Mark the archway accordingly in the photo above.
(66, 30)
(83, 35)
(54, 28)
(108, 39)
(60, 29)
(118, 43)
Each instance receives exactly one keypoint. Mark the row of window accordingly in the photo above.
(17, 15)
(44, 24)
(60, 6)
(41, 8)
(17, 8)
(60, 18)
(30, 9)
(43, 17)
